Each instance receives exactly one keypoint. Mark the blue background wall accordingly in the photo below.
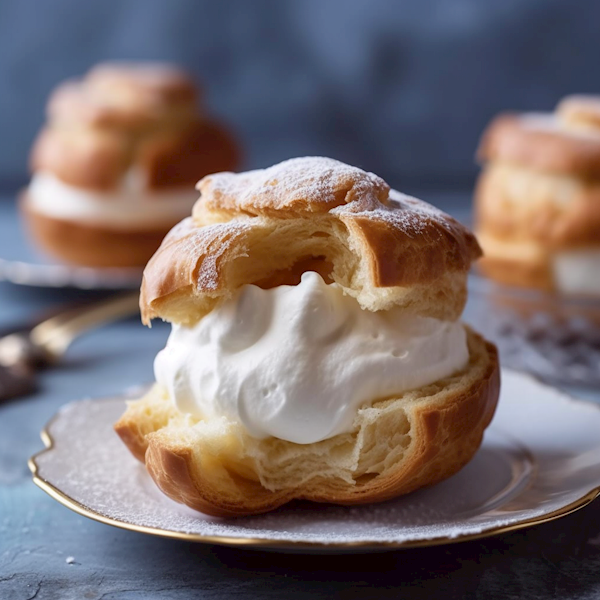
(402, 88)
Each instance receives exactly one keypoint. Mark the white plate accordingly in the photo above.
(540, 460)
(21, 264)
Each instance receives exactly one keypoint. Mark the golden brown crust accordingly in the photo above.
(525, 218)
(557, 212)
(541, 142)
(183, 157)
(90, 160)
(446, 428)
(296, 187)
(171, 469)
(90, 245)
(132, 437)
(123, 116)
(386, 248)
(126, 96)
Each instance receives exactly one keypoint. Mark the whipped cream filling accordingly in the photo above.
(297, 362)
(577, 272)
(130, 206)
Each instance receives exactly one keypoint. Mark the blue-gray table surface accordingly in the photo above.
(556, 560)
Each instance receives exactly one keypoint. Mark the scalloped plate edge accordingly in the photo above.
(283, 545)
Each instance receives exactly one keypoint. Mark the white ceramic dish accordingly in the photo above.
(540, 460)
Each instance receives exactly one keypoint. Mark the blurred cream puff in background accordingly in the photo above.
(537, 202)
(115, 166)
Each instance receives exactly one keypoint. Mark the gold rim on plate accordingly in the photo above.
(262, 543)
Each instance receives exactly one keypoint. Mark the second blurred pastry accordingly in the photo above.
(537, 202)
(115, 166)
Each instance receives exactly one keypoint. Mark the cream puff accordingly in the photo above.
(316, 350)
(114, 168)
(537, 202)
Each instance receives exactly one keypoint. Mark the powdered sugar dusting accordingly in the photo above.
(308, 184)
(233, 205)
(317, 184)
(410, 216)
(520, 476)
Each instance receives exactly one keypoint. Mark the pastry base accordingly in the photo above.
(89, 245)
(427, 435)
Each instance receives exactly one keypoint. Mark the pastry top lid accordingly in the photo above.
(125, 95)
(124, 118)
(580, 111)
(566, 141)
(267, 226)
